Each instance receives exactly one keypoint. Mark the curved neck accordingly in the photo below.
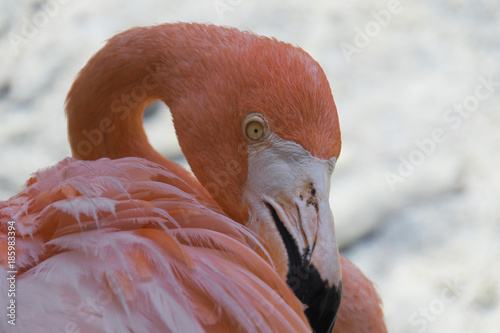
(106, 102)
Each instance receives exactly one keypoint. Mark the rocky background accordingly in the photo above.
(417, 85)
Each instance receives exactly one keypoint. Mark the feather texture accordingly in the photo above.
(122, 245)
(138, 244)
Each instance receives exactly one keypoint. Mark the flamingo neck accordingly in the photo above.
(105, 105)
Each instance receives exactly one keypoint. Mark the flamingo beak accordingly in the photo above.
(287, 193)
(313, 259)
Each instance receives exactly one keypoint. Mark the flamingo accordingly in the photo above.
(118, 238)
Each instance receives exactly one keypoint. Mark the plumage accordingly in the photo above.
(361, 307)
(162, 248)
(120, 239)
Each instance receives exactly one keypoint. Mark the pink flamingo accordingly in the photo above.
(120, 239)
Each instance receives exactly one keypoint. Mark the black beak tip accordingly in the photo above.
(322, 302)
(322, 310)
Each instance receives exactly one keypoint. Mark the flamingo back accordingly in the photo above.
(122, 245)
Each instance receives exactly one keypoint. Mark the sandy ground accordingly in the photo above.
(415, 193)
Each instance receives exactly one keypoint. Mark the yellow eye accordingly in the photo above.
(255, 130)
(254, 127)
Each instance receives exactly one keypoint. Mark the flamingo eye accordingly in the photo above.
(254, 127)
(255, 130)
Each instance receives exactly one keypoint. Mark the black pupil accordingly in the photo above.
(256, 131)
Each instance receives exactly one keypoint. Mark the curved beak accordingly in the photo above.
(313, 259)
(291, 213)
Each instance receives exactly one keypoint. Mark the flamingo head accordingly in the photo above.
(259, 128)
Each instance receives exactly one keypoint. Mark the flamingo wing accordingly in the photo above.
(125, 245)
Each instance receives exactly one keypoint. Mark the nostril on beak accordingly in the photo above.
(323, 308)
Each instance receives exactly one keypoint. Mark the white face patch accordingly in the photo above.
(285, 178)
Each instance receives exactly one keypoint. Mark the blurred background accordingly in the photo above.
(417, 85)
